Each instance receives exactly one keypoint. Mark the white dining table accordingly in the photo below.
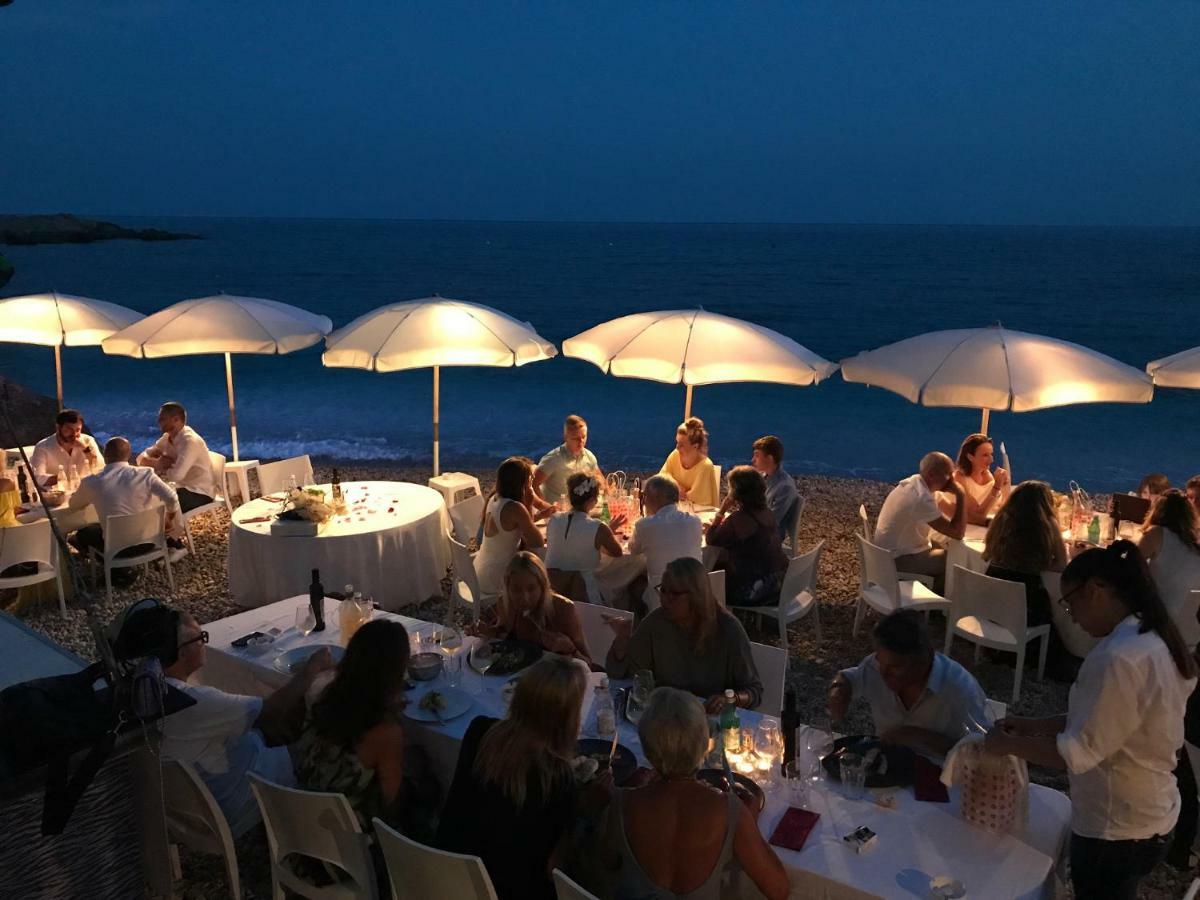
(67, 519)
(390, 544)
(917, 840)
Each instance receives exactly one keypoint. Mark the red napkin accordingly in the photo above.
(794, 828)
(927, 785)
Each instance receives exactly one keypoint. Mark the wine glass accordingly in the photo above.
(482, 657)
(818, 742)
(305, 621)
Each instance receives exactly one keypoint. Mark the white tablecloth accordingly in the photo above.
(67, 519)
(391, 545)
(916, 840)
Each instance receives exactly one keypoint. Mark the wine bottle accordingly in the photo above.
(337, 487)
(789, 720)
(316, 600)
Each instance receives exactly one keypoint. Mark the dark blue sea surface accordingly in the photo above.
(1131, 293)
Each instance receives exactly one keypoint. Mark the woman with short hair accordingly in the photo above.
(983, 491)
(507, 522)
(748, 534)
(690, 466)
(674, 837)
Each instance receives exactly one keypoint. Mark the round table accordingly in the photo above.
(390, 544)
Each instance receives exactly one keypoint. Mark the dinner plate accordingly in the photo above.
(456, 703)
(517, 655)
(746, 790)
(289, 662)
(896, 772)
(624, 763)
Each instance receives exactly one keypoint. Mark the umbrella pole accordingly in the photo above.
(983, 425)
(687, 403)
(58, 373)
(437, 382)
(232, 410)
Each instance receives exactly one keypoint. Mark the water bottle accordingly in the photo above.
(731, 725)
(61, 480)
(605, 517)
(73, 478)
(1093, 532)
(606, 715)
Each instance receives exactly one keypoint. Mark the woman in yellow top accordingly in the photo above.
(10, 499)
(690, 466)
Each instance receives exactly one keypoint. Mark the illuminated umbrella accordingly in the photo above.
(995, 368)
(221, 324)
(1181, 370)
(434, 332)
(55, 320)
(691, 346)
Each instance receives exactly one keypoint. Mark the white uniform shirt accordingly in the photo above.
(1124, 727)
(192, 468)
(48, 454)
(667, 535)
(903, 526)
(120, 489)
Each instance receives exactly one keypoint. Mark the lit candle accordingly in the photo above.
(764, 763)
(745, 765)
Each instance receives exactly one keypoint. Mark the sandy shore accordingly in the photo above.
(830, 514)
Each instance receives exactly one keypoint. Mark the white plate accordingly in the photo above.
(457, 703)
(289, 662)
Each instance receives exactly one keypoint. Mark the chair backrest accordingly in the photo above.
(794, 532)
(717, 478)
(464, 567)
(598, 635)
(418, 872)
(466, 516)
(801, 575)
(567, 889)
(877, 567)
(996, 709)
(1001, 601)
(32, 543)
(218, 469)
(144, 527)
(716, 584)
(958, 553)
(771, 663)
(319, 825)
(193, 816)
(1077, 641)
(273, 476)
(1193, 890)
(865, 521)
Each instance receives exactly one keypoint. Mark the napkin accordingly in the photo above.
(793, 829)
(927, 784)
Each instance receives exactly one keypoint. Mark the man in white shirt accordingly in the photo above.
(665, 533)
(120, 489)
(918, 698)
(911, 511)
(68, 447)
(181, 457)
(571, 456)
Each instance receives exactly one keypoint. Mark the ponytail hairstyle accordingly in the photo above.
(693, 429)
(582, 489)
(1122, 566)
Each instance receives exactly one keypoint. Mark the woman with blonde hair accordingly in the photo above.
(690, 466)
(513, 796)
(1170, 545)
(689, 642)
(529, 610)
(983, 491)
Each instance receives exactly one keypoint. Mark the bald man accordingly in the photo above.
(911, 512)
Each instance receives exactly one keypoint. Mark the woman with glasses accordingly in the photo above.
(1123, 727)
(689, 642)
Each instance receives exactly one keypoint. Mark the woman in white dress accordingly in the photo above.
(506, 523)
(574, 540)
(983, 491)
(1169, 543)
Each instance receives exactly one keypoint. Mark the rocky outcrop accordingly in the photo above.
(31, 414)
(64, 228)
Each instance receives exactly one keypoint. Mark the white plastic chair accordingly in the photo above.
(195, 820)
(882, 590)
(991, 612)
(219, 501)
(794, 535)
(598, 635)
(716, 584)
(1193, 890)
(319, 825)
(567, 889)
(417, 872)
(797, 596)
(466, 516)
(771, 663)
(959, 553)
(1076, 641)
(272, 477)
(865, 522)
(464, 587)
(997, 709)
(717, 478)
(123, 532)
(32, 543)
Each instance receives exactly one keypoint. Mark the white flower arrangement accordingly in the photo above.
(308, 505)
(585, 487)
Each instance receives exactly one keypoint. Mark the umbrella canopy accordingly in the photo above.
(995, 368)
(221, 324)
(691, 346)
(434, 332)
(1181, 370)
(57, 320)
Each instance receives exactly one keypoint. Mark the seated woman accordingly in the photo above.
(1169, 544)
(574, 540)
(983, 492)
(690, 466)
(507, 523)
(529, 610)
(1153, 486)
(754, 560)
(513, 796)
(689, 642)
(10, 498)
(675, 836)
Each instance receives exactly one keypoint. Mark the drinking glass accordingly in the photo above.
(305, 621)
(639, 695)
(290, 484)
(795, 783)
(853, 769)
(452, 669)
(716, 749)
(482, 657)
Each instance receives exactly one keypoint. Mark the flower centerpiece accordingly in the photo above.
(305, 511)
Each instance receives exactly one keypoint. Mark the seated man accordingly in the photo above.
(181, 457)
(918, 698)
(225, 736)
(571, 456)
(665, 533)
(782, 496)
(67, 447)
(911, 510)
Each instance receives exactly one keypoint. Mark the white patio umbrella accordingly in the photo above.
(691, 346)
(55, 320)
(221, 324)
(434, 331)
(995, 368)
(1181, 370)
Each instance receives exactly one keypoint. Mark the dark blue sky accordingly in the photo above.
(1085, 113)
